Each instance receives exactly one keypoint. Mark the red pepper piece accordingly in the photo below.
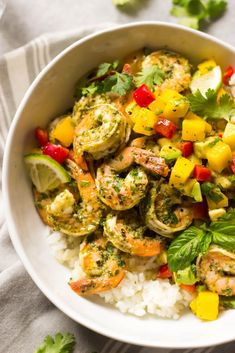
(126, 68)
(164, 272)
(165, 128)
(220, 134)
(187, 148)
(143, 96)
(41, 136)
(191, 288)
(232, 165)
(57, 152)
(200, 210)
(228, 73)
(201, 173)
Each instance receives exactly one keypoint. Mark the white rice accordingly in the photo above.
(137, 294)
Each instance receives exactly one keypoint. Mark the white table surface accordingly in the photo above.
(24, 20)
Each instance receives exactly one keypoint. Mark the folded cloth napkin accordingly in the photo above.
(26, 315)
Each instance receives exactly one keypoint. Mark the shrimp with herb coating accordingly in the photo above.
(102, 263)
(128, 234)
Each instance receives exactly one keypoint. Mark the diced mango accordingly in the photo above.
(64, 131)
(219, 156)
(193, 116)
(157, 106)
(212, 205)
(229, 135)
(144, 121)
(206, 305)
(194, 159)
(206, 66)
(175, 109)
(193, 130)
(181, 171)
(163, 141)
(169, 94)
(216, 214)
(132, 110)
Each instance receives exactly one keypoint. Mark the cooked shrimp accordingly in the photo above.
(103, 265)
(217, 270)
(102, 130)
(127, 233)
(121, 193)
(145, 158)
(163, 211)
(176, 68)
(61, 211)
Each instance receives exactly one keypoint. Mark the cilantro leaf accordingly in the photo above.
(216, 7)
(193, 13)
(123, 83)
(209, 107)
(150, 76)
(60, 343)
(124, 2)
(103, 69)
(89, 90)
(186, 247)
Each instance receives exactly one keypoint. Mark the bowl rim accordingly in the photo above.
(6, 201)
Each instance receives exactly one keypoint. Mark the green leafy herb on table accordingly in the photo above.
(60, 343)
(195, 241)
(193, 13)
(150, 76)
(107, 78)
(209, 107)
(124, 2)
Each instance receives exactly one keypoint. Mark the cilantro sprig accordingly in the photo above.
(195, 241)
(60, 343)
(194, 13)
(209, 107)
(107, 78)
(150, 76)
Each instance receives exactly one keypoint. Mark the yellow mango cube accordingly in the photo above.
(193, 130)
(175, 109)
(157, 106)
(219, 156)
(132, 109)
(144, 122)
(206, 305)
(169, 94)
(206, 66)
(163, 141)
(181, 172)
(64, 131)
(212, 205)
(229, 135)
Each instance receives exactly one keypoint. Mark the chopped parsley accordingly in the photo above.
(60, 343)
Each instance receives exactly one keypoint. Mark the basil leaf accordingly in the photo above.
(186, 247)
(223, 231)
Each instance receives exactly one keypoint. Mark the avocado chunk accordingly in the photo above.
(196, 192)
(186, 276)
(170, 153)
(201, 147)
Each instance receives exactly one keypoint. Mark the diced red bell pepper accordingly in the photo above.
(165, 128)
(41, 136)
(220, 134)
(191, 288)
(143, 96)
(187, 148)
(228, 73)
(200, 210)
(164, 272)
(232, 165)
(57, 152)
(201, 173)
(126, 68)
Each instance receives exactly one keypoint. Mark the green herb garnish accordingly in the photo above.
(60, 343)
(150, 76)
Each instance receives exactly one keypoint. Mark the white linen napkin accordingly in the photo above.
(26, 315)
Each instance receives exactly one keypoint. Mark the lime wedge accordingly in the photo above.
(212, 80)
(46, 174)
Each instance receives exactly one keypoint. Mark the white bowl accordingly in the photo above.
(51, 94)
